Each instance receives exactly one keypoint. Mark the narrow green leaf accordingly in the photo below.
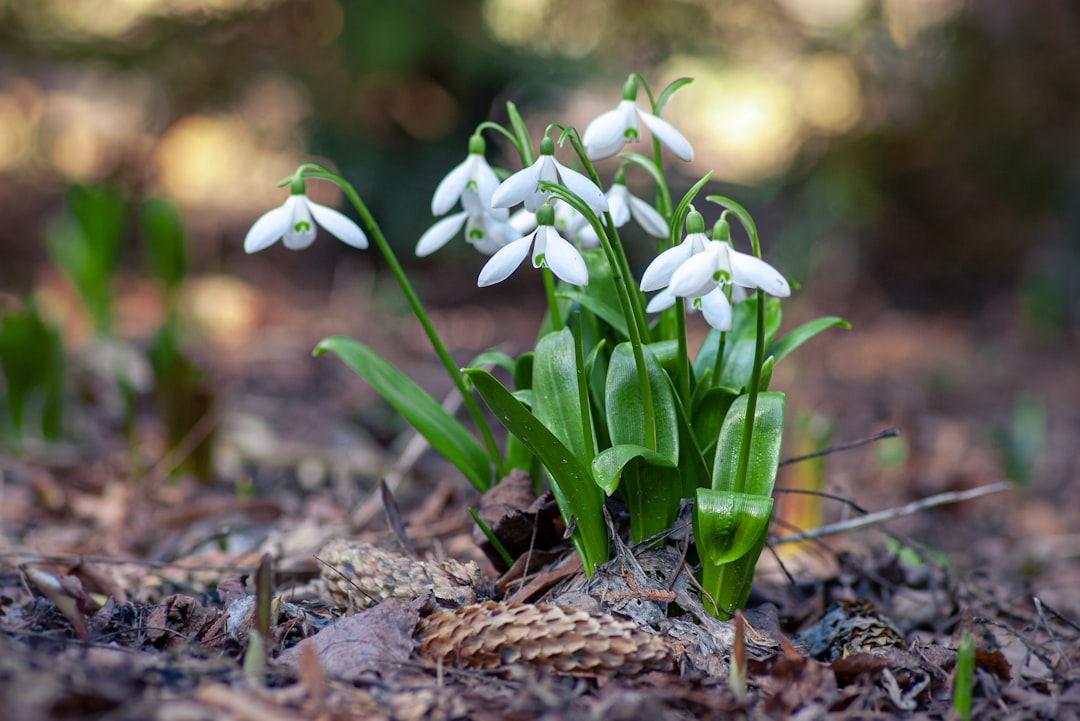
(556, 402)
(608, 465)
(727, 525)
(444, 432)
(764, 445)
(666, 93)
(162, 233)
(582, 499)
(626, 422)
(709, 414)
(792, 340)
(739, 347)
(493, 358)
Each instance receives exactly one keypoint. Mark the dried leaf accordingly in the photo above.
(364, 642)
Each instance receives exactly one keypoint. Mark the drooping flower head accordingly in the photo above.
(524, 185)
(708, 270)
(549, 249)
(625, 206)
(609, 131)
(294, 224)
(472, 182)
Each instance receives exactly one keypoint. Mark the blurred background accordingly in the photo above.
(913, 164)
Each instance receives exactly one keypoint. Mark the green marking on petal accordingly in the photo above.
(472, 185)
(539, 260)
(302, 226)
(630, 135)
(721, 276)
(476, 234)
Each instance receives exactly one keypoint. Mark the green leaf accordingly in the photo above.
(493, 358)
(764, 446)
(608, 465)
(666, 93)
(444, 432)
(727, 525)
(646, 164)
(792, 340)
(556, 402)
(678, 217)
(163, 235)
(709, 414)
(622, 403)
(599, 295)
(739, 347)
(579, 496)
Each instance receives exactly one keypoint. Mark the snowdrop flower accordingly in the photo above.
(294, 224)
(524, 185)
(471, 182)
(624, 206)
(706, 269)
(606, 134)
(658, 274)
(549, 249)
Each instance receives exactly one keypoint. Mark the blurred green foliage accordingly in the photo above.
(32, 360)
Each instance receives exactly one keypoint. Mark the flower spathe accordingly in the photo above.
(549, 249)
(294, 224)
(609, 131)
(472, 182)
(524, 185)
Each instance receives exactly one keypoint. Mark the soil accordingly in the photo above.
(126, 585)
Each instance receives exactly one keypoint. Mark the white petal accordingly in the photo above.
(752, 272)
(439, 234)
(562, 257)
(663, 131)
(587, 237)
(301, 231)
(524, 221)
(695, 277)
(716, 309)
(517, 187)
(605, 135)
(647, 217)
(496, 233)
(617, 205)
(658, 274)
(504, 262)
(661, 301)
(450, 188)
(268, 229)
(583, 188)
(486, 180)
(339, 225)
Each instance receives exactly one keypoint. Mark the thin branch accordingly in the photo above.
(887, 515)
(887, 433)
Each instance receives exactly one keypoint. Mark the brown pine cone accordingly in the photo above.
(359, 575)
(550, 638)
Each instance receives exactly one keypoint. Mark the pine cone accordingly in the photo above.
(550, 638)
(359, 575)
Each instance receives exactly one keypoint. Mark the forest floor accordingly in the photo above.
(153, 569)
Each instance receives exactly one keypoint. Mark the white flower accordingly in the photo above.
(719, 264)
(549, 249)
(293, 223)
(700, 270)
(658, 274)
(606, 134)
(471, 182)
(624, 206)
(524, 185)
